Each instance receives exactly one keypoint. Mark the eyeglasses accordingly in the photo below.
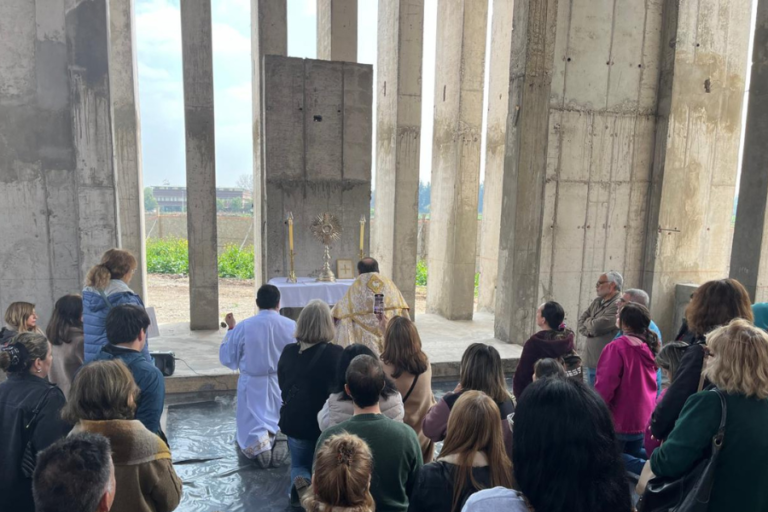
(601, 283)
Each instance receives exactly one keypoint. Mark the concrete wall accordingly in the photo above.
(337, 30)
(58, 201)
(317, 156)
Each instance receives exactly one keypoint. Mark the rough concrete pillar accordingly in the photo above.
(337, 29)
(495, 143)
(197, 57)
(459, 71)
(57, 187)
(269, 36)
(697, 144)
(398, 138)
(749, 256)
(127, 136)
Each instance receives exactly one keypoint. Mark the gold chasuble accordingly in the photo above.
(357, 323)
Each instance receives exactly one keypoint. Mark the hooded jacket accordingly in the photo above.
(542, 345)
(95, 311)
(626, 379)
(337, 410)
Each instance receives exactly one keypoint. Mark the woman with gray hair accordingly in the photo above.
(306, 373)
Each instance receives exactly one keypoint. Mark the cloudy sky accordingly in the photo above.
(158, 33)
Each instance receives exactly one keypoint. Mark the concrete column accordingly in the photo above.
(459, 71)
(88, 43)
(127, 132)
(697, 144)
(57, 189)
(495, 132)
(269, 36)
(337, 29)
(749, 257)
(197, 56)
(398, 118)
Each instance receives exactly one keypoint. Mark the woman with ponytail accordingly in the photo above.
(30, 419)
(106, 286)
(342, 478)
(553, 341)
(626, 377)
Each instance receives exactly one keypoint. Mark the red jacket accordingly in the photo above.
(626, 379)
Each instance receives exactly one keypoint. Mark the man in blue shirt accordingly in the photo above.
(127, 334)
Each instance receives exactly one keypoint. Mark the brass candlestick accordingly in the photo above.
(291, 273)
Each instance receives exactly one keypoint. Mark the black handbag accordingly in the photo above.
(690, 492)
(29, 456)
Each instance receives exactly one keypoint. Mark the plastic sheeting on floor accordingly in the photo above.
(216, 478)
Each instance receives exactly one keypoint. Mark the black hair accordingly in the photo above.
(67, 313)
(553, 313)
(565, 455)
(367, 265)
(638, 319)
(124, 323)
(669, 357)
(347, 355)
(366, 380)
(72, 474)
(548, 367)
(268, 297)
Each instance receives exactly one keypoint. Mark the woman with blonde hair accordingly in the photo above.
(106, 286)
(65, 332)
(30, 420)
(738, 370)
(19, 317)
(408, 366)
(342, 479)
(481, 369)
(473, 458)
(103, 401)
(306, 374)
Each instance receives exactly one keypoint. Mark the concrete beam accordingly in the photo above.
(749, 256)
(394, 235)
(337, 30)
(127, 132)
(269, 36)
(495, 133)
(697, 145)
(459, 84)
(197, 57)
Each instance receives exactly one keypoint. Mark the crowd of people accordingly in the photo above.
(345, 397)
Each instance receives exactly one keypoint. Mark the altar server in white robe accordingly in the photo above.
(254, 346)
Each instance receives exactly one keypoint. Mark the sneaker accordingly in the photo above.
(264, 459)
(279, 451)
(298, 490)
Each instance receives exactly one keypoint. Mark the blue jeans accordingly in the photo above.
(632, 452)
(591, 374)
(302, 453)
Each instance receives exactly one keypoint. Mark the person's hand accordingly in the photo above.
(230, 321)
(382, 322)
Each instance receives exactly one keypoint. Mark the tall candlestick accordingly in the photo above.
(362, 236)
(290, 231)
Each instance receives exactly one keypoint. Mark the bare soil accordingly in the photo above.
(169, 295)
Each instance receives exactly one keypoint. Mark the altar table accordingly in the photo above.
(298, 295)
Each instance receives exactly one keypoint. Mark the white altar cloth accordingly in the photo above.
(297, 295)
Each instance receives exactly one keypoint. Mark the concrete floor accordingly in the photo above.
(444, 341)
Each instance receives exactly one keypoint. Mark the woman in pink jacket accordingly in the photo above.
(626, 377)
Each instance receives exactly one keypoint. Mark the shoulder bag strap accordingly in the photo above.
(413, 385)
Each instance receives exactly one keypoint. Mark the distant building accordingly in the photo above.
(174, 199)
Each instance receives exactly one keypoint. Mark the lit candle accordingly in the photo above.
(290, 231)
(362, 233)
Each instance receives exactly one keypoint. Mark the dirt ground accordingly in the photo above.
(169, 295)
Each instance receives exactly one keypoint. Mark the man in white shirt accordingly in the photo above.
(254, 346)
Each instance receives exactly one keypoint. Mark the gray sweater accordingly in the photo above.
(337, 410)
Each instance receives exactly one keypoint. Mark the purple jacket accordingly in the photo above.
(626, 379)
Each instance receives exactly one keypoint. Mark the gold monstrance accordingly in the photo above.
(327, 229)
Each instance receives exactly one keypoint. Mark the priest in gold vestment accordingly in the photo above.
(355, 320)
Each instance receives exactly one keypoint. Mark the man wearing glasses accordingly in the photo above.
(598, 323)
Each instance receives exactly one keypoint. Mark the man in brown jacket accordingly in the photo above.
(598, 323)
